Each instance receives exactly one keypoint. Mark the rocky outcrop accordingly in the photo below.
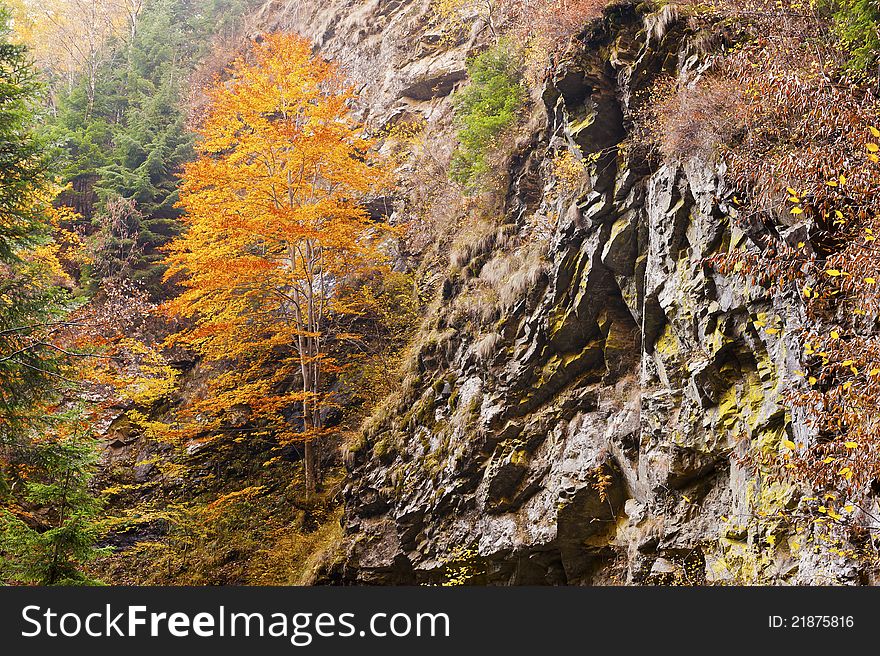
(400, 64)
(581, 406)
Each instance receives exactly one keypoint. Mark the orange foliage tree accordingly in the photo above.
(276, 237)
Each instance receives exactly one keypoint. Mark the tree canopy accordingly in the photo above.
(275, 233)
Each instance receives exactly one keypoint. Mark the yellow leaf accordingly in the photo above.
(827, 461)
(833, 272)
(846, 363)
(831, 183)
(759, 324)
(280, 112)
(842, 179)
(873, 157)
(874, 132)
(794, 199)
(874, 372)
(772, 331)
(872, 148)
(788, 444)
(851, 445)
(797, 210)
(791, 191)
(835, 334)
(811, 380)
(849, 508)
(870, 281)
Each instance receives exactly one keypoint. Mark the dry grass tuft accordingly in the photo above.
(487, 346)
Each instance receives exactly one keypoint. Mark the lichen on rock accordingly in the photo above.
(602, 412)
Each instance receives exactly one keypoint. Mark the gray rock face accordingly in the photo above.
(592, 429)
(387, 47)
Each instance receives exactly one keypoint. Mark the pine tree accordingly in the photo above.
(27, 302)
(122, 131)
(48, 530)
(50, 547)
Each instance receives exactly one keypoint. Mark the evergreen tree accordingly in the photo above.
(857, 25)
(27, 303)
(50, 549)
(47, 530)
(131, 140)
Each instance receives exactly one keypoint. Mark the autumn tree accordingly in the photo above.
(72, 37)
(276, 239)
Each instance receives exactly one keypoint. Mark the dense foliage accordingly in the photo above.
(485, 109)
(51, 548)
(276, 236)
(29, 302)
(122, 131)
(46, 511)
(857, 24)
(153, 169)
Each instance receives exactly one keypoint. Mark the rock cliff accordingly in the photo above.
(583, 400)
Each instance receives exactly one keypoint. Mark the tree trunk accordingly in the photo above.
(311, 426)
(311, 468)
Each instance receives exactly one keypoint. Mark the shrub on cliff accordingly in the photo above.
(857, 25)
(485, 110)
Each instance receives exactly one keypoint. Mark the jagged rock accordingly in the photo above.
(620, 251)
(433, 85)
(598, 442)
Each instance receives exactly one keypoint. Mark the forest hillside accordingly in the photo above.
(448, 292)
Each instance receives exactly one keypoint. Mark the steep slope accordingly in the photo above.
(586, 395)
(397, 60)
